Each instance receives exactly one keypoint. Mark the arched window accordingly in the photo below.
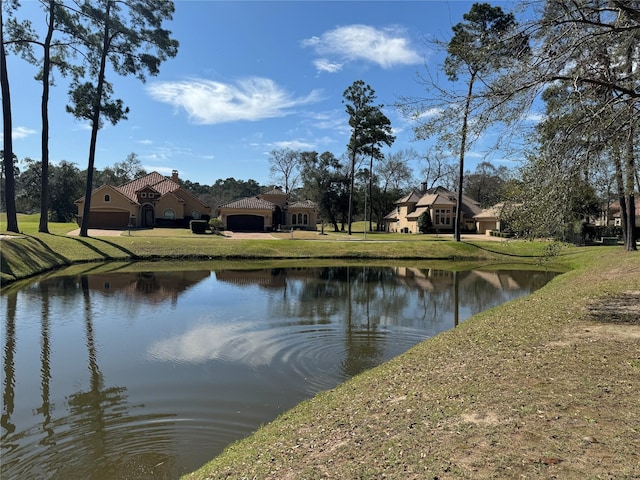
(293, 219)
(195, 214)
(107, 198)
(169, 214)
(299, 218)
(306, 219)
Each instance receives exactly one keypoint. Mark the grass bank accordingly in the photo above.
(30, 252)
(546, 386)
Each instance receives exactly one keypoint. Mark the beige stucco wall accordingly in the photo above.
(404, 223)
(312, 218)
(117, 201)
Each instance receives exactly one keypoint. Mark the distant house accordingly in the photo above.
(439, 203)
(489, 219)
(268, 211)
(146, 202)
(612, 215)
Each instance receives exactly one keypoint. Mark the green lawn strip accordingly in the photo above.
(535, 388)
(31, 252)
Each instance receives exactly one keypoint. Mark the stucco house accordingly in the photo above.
(489, 219)
(268, 211)
(146, 202)
(440, 203)
(611, 215)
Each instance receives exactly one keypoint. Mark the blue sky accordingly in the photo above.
(249, 77)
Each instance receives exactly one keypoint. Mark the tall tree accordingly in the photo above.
(484, 44)
(369, 129)
(8, 156)
(129, 35)
(478, 47)
(54, 54)
(284, 168)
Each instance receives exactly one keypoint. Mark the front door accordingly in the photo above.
(148, 219)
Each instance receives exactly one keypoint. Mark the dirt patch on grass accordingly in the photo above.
(623, 308)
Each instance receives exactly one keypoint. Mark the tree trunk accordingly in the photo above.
(630, 237)
(463, 147)
(46, 68)
(351, 184)
(9, 170)
(371, 191)
(95, 125)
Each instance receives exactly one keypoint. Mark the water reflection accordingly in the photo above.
(148, 375)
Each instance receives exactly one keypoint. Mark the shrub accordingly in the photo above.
(198, 226)
(216, 225)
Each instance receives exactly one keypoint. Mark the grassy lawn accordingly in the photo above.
(31, 252)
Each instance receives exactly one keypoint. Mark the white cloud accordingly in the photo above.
(295, 145)
(240, 343)
(324, 65)
(384, 47)
(22, 132)
(209, 102)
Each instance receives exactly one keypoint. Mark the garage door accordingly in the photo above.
(108, 219)
(245, 223)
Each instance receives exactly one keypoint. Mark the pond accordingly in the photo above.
(149, 374)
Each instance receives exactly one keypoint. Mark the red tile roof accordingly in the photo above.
(158, 182)
(303, 204)
(252, 203)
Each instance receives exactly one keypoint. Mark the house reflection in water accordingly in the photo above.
(274, 278)
(154, 287)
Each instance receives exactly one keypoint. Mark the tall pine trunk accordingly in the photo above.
(95, 125)
(463, 147)
(630, 221)
(46, 69)
(9, 169)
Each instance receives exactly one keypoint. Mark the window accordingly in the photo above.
(299, 218)
(151, 195)
(306, 219)
(195, 214)
(143, 195)
(442, 217)
(107, 198)
(293, 219)
(169, 214)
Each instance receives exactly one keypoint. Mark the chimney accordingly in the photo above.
(174, 176)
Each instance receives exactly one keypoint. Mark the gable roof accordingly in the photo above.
(412, 197)
(274, 191)
(253, 203)
(303, 204)
(159, 183)
(436, 199)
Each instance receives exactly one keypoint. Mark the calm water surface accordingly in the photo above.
(150, 375)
